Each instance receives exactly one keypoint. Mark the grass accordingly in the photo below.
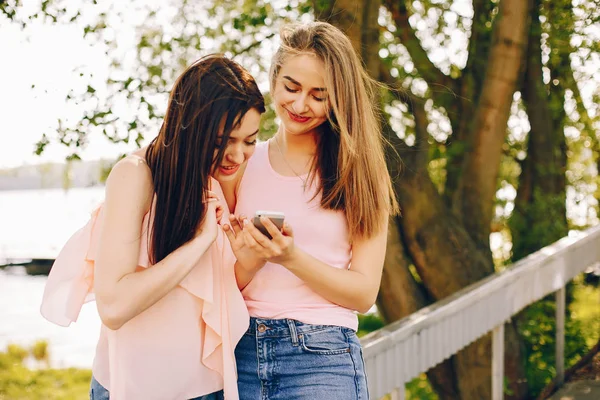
(585, 308)
(17, 382)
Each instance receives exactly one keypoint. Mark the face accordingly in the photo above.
(240, 147)
(300, 96)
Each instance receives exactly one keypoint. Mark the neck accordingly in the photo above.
(305, 144)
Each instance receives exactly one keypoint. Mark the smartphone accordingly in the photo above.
(275, 217)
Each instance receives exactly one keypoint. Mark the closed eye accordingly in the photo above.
(317, 98)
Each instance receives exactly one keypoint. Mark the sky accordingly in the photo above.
(46, 57)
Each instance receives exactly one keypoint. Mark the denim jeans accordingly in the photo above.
(99, 392)
(282, 359)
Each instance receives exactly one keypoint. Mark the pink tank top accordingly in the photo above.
(275, 292)
(182, 347)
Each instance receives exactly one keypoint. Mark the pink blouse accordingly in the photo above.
(181, 347)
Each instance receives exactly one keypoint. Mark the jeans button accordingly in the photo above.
(262, 328)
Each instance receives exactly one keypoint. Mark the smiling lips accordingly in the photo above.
(229, 170)
(297, 118)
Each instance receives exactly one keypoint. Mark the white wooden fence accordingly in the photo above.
(399, 352)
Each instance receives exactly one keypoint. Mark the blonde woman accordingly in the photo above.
(325, 170)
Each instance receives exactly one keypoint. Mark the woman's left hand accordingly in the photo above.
(278, 250)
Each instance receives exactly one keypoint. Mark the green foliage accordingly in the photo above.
(17, 382)
(537, 326)
(537, 224)
(368, 323)
(39, 351)
(420, 389)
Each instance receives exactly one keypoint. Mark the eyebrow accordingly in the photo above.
(295, 82)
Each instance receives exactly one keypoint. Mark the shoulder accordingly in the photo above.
(130, 180)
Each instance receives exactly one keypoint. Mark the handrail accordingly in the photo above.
(402, 350)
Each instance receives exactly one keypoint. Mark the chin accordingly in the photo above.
(298, 131)
(225, 178)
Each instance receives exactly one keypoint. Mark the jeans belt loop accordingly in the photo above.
(293, 332)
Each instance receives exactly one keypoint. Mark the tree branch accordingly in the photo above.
(419, 156)
(461, 117)
(253, 45)
(584, 116)
(407, 36)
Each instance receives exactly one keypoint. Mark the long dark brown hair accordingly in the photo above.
(210, 97)
(350, 161)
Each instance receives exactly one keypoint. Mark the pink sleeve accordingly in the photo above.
(70, 282)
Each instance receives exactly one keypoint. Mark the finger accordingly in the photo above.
(287, 229)
(211, 206)
(236, 225)
(250, 241)
(220, 211)
(271, 228)
(212, 201)
(210, 195)
(229, 233)
(257, 235)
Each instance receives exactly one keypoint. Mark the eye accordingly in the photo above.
(252, 143)
(317, 98)
(289, 89)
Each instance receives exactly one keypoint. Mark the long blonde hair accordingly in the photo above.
(350, 160)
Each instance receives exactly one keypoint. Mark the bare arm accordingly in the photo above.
(122, 292)
(355, 288)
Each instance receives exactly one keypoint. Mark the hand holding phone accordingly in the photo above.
(276, 217)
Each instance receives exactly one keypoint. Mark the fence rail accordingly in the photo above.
(399, 352)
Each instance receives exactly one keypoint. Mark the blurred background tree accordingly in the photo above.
(485, 105)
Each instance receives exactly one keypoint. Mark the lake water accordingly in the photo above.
(40, 222)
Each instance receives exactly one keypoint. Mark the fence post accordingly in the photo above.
(398, 393)
(498, 362)
(560, 336)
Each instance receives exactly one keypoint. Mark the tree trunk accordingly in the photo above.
(471, 80)
(476, 191)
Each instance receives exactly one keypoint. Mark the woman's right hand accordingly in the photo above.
(214, 210)
(246, 257)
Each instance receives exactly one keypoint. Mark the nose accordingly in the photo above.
(300, 105)
(235, 154)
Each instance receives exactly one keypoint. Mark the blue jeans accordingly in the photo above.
(282, 359)
(99, 392)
